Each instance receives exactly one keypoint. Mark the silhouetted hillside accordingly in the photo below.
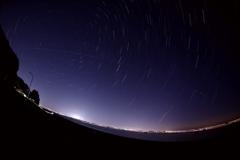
(29, 130)
(9, 62)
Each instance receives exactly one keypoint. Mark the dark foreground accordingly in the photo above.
(30, 132)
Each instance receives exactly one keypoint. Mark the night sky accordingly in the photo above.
(133, 64)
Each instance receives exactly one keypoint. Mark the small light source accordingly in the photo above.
(75, 117)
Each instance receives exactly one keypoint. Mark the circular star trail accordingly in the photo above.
(148, 65)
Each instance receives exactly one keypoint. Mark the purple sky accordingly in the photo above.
(130, 63)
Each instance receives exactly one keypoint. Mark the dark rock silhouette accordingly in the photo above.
(9, 62)
(9, 66)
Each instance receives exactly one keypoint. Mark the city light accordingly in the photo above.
(77, 117)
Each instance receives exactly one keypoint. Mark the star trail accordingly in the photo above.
(146, 65)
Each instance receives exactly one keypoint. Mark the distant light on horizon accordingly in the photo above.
(75, 116)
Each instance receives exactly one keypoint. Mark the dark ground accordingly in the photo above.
(30, 132)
